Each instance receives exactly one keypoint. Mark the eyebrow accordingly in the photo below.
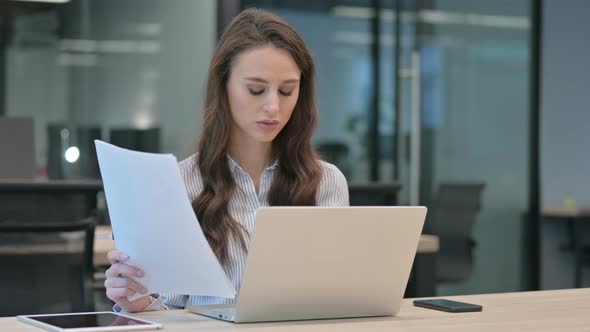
(260, 80)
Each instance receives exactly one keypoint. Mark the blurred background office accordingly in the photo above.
(476, 109)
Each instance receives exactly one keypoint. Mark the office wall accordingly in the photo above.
(565, 129)
(565, 160)
(564, 102)
(162, 88)
(147, 67)
(343, 78)
(486, 140)
(38, 88)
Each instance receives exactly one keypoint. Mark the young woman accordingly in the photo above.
(254, 150)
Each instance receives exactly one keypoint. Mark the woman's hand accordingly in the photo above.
(119, 285)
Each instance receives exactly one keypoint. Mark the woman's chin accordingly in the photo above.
(267, 138)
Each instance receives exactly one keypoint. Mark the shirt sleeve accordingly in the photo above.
(173, 301)
(162, 302)
(333, 188)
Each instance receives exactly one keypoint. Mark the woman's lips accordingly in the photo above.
(267, 125)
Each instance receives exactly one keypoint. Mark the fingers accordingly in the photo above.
(136, 306)
(120, 284)
(125, 283)
(116, 294)
(116, 256)
(123, 270)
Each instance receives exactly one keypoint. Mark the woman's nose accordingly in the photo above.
(272, 103)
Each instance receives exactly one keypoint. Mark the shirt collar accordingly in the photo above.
(233, 165)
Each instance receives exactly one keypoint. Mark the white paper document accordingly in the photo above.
(154, 223)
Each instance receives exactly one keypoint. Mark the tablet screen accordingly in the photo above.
(88, 320)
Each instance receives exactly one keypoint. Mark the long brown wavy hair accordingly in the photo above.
(298, 173)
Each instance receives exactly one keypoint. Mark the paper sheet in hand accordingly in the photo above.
(154, 223)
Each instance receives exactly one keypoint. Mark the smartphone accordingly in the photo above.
(448, 305)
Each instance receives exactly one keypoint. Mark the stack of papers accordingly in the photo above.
(154, 223)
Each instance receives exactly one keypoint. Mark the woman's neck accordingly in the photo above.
(253, 158)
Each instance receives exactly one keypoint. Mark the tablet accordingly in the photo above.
(88, 322)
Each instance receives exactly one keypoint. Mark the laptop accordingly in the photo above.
(325, 262)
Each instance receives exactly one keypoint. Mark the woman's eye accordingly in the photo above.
(285, 93)
(256, 92)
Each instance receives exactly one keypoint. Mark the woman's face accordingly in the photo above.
(263, 88)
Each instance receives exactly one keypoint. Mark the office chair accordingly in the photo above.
(146, 140)
(46, 267)
(373, 194)
(337, 153)
(452, 217)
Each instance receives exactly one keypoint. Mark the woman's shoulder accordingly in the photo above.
(191, 175)
(327, 167)
(333, 189)
(189, 163)
(189, 167)
(331, 173)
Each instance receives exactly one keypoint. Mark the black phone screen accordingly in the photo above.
(448, 305)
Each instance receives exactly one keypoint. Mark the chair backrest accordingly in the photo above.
(17, 148)
(452, 218)
(46, 267)
(373, 194)
(146, 140)
(337, 153)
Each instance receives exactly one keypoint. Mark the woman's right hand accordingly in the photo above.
(119, 285)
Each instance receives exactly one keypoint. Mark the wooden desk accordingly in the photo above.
(421, 283)
(573, 217)
(428, 244)
(561, 310)
(103, 243)
(563, 212)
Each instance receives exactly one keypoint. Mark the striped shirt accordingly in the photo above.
(332, 191)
